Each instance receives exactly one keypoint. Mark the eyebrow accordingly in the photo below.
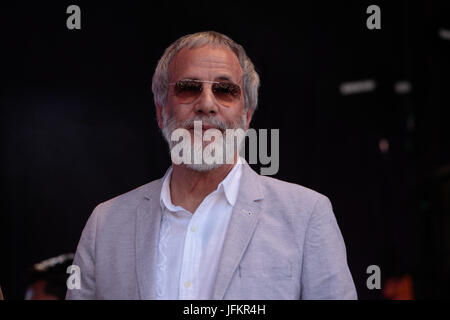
(224, 78)
(221, 77)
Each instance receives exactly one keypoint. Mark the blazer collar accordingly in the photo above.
(148, 223)
(243, 221)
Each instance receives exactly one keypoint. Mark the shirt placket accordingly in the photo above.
(188, 281)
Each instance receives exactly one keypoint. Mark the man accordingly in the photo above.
(211, 230)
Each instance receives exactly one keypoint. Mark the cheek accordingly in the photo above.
(237, 111)
(233, 115)
(178, 112)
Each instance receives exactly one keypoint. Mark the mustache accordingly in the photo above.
(207, 121)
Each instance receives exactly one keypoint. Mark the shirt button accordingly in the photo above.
(193, 228)
(187, 284)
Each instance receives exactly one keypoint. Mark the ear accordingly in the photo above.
(249, 116)
(159, 116)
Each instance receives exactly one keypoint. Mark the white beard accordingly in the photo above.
(170, 125)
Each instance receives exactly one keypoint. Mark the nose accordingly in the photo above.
(206, 104)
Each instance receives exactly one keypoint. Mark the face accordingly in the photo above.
(215, 64)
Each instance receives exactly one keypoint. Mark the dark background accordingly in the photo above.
(78, 123)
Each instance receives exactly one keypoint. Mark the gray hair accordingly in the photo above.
(160, 82)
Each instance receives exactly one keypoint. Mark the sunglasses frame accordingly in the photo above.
(207, 81)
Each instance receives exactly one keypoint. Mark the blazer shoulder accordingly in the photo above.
(290, 195)
(291, 206)
(123, 205)
(289, 191)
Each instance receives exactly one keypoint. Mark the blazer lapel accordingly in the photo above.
(147, 233)
(243, 221)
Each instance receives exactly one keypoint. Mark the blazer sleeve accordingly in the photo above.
(85, 260)
(325, 273)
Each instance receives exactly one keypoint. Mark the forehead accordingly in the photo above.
(205, 63)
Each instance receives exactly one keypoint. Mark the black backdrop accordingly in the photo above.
(78, 121)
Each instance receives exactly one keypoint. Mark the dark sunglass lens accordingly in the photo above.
(226, 91)
(187, 91)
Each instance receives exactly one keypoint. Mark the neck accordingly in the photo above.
(188, 187)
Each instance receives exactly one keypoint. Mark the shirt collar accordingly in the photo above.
(232, 181)
(229, 186)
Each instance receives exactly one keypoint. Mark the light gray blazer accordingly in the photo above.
(283, 242)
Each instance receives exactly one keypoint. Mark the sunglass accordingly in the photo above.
(188, 90)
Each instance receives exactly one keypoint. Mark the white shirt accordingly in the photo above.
(190, 245)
